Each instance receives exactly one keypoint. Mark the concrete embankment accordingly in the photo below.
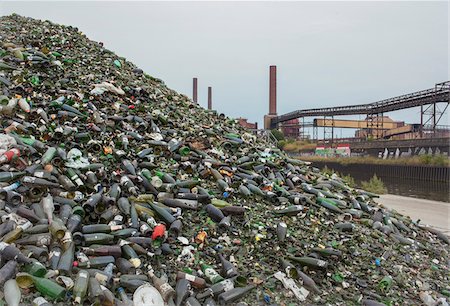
(434, 213)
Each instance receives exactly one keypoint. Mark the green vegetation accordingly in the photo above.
(277, 134)
(374, 185)
(347, 178)
(435, 160)
(327, 170)
(432, 160)
(291, 145)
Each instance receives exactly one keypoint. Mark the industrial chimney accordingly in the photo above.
(209, 97)
(272, 97)
(273, 90)
(194, 90)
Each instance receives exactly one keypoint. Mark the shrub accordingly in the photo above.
(440, 160)
(282, 144)
(426, 159)
(326, 170)
(277, 134)
(374, 185)
(349, 180)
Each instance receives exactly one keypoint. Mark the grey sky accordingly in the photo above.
(327, 53)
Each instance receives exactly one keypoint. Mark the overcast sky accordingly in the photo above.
(327, 53)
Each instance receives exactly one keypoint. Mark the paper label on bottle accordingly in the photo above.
(189, 277)
(83, 274)
(45, 240)
(101, 278)
(123, 242)
(116, 227)
(227, 285)
(26, 225)
(151, 222)
(296, 200)
(211, 273)
(54, 253)
(79, 182)
(3, 245)
(165, 288)
(144, 228)
(39, 174)
(321, 263)
(28, 179)
(118, 218)
(124, 180)
(67, 237)
(229, 271)
(78, 196)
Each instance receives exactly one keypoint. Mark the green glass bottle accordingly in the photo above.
(96, 262)
(289, 211)
(219, 203)
(36, 269)
(45, 286)
(328, 204)
(57, 228)
(10, 176)
(310, 262)
(234, 294)
(16, 233)
(211, 274)
(48, 156)
(80, 287)
(98, 238)
(66, 260)
(163, 213)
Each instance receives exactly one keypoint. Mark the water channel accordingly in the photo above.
(438, 191)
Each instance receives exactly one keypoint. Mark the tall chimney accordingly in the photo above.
(194, 90)
(273, 90)
(209, 97)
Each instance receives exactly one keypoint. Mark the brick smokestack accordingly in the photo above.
(273, 90)
(209, 97)
(194, 90)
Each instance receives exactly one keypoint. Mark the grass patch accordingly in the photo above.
(431, 160)
(374, 185)
(297, 145)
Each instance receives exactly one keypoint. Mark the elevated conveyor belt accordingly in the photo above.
(437, 94)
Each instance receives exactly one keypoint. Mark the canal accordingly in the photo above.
(416, 188)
